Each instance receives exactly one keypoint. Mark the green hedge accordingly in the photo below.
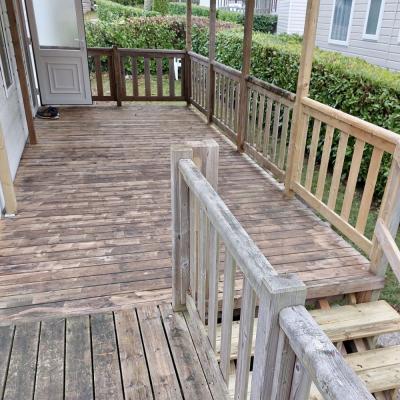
(346, 83)
(110, 11)
(262, 23)
(349, 84)
(180, 9)
(132, 3)
(161, 6)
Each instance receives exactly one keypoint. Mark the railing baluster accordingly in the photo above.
(323, 169)
(267, 129)
(275, 132)
(147, 79)
(203, 261)
(369, 187)
(247, 314)
(171, 77)
(227, 314)
(313, 154)
(159, 63)
(135, 83)
(337, 170)
(352, 180)
(213, 269)
(194, 244)
(261, 113)
(99, 77)
(283, 144)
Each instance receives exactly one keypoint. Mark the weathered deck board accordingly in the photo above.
(93, 228)
(112, 356)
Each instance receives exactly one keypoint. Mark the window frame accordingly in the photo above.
(367, 36)
(3, 32)
(341, 42)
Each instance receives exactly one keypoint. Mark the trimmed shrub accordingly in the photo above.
(346, 83)
(229, 16)
(110, 11)
(262, 23)
(131, 3)
(180, 9)
(161, 6)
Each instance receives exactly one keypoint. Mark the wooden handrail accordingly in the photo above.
(325, 365)
(272, 88)
(370, 133)
(388, 246)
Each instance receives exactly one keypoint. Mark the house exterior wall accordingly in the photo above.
(86, 5)
(385, 51)
(12, 116)
(291, 16)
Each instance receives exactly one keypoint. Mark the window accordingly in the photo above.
(5, 64)
(340, 26)
(374, 18)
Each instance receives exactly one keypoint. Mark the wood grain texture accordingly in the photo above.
(93, 229)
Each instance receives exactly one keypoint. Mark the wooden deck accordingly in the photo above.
(105, 356)
(93, 228)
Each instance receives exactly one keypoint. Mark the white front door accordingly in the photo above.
(58, 37)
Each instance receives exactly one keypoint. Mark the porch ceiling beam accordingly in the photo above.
(12, 17)
(246, 63)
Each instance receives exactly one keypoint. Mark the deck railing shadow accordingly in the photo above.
(205, 234)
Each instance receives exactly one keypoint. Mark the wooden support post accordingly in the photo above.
(117, 75)
(246, 63)
(205, 155)
(188, 66)
(6, 181)
(180, 226)
(211, 59)
(298, 129)
(389, 215)
(19, 58)
(274, 359)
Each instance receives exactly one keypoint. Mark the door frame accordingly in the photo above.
(31, 18)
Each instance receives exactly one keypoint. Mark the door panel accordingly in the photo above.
(60, 51)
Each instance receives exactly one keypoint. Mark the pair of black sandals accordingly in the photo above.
(48, 112)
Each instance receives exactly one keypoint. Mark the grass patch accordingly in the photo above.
(391, 291)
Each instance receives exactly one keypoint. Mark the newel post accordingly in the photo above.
(274, 360)
(390, 216)
(246, 63)
(211, 59)
(299, 121)
(185, 215)
(180, 227)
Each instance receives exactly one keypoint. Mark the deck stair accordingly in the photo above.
(352, 328)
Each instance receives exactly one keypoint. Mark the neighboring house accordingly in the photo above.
(369, 29)
(87, 6)
(12, 115)
(291, 16)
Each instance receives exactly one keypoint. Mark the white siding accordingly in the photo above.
(282, 11)
(384, 52)
(291, 16)
(297, 16)
(12, 118)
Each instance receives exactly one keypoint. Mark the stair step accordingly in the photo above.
(341, 323)
(379, 369)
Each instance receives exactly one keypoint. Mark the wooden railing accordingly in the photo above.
(137, 74)
(199, 81)
(205, 233)
(324, 123)
(293, 155)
